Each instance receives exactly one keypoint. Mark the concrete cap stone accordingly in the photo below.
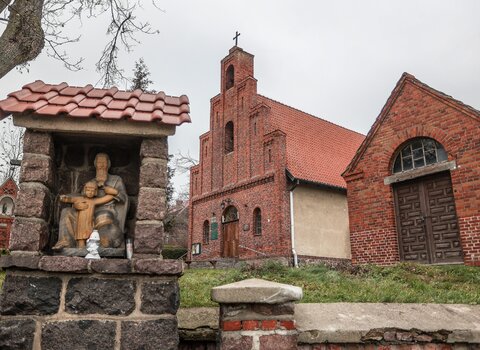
(256, 291)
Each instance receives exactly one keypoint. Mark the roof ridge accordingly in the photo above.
(310, 115)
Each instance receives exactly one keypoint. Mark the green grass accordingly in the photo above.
(403, 283)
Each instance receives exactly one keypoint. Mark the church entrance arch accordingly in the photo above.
(230, 232)
(425, 211)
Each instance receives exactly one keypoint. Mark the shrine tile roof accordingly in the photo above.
(88, 102)
(318, 151)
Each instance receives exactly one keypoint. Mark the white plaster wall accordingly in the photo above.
(321, 222)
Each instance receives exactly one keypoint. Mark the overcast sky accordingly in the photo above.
(338, 60)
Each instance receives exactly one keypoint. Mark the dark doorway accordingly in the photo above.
(427, 221)
(230, 233)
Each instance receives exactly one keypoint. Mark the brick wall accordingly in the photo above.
(414, 110)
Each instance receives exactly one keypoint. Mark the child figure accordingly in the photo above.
(85, 206)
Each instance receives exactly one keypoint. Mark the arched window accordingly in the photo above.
(206, 232)
(229, 137)
(6, 206)
(230, 77)
(418, 153)
(257, 222)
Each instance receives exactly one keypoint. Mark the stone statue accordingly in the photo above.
(109, 218)
(85, 206)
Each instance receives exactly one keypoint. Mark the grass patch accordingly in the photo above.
(403, 283)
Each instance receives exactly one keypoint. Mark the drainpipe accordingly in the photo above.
(292, 226)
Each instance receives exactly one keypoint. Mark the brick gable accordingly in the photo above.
(413, 110)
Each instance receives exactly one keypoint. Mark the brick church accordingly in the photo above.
(268, 183)
(414, 184)
(8, 194)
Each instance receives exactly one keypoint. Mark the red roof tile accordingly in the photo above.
(87, 102)
(317, 150)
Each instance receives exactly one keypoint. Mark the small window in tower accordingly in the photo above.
(269, 155)
(229, 137)
(257, 222)
(230, 77)
(206, 232)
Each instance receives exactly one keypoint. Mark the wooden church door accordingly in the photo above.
(427, 221)
(230, 233)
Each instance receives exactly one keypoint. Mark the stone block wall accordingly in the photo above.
(69, 302)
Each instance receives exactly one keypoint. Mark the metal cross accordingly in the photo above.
(237, 34)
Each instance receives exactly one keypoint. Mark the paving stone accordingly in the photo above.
(16, 334)
(150, 335)
(89, 295)
(160, 297)
(24, 295)
(82, 334)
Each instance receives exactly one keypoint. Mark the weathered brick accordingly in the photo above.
(157, 266)
(148, 237)
(37, 168)
(63, 264)
(235, 341)
(33, 200)
(151, 204)
(278, 342)
(154, 148)
(38, 142)
(29, 234)
(231, 325)
(153, 173)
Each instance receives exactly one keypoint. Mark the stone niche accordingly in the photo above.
(56, 299)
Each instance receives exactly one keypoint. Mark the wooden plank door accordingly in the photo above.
(426, 220)
(230, 239)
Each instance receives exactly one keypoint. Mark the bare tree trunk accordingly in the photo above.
(23, 38)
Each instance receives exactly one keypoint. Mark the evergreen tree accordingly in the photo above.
(141, 77)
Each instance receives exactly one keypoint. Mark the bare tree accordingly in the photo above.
(32, 25)
(183, 162)
(11, 150)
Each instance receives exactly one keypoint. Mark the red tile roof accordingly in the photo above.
(317, 150)
(87, 102)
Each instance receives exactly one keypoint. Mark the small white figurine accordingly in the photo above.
(92, 246)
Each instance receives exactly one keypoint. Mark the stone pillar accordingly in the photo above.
(33, 209)
(148, 240)
(257, 315)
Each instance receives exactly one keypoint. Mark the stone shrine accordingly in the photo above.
(116, 141)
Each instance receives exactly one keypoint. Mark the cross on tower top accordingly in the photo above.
(237, 34)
